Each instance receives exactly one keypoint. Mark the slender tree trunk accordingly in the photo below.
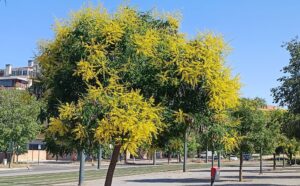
(179, 155)
(291, 158)
(283, 160)
(168, 157)
(11, 156)
(92, 160)
(112, 165)
(260, 161)
(154, 157)
(212, 156)
(219, 159)
(9, 161)
(99, 157)
(241, 167)
(185, 151)
(274, 161)
(81, 168)
(206, 155)
(125, 157)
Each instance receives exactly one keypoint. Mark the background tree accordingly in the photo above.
(19, 122)
(250, 117)
(288, 92)
(275, 126)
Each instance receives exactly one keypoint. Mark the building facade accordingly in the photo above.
(21, 78)
(18, 77)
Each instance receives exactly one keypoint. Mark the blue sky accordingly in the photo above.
(255, 29)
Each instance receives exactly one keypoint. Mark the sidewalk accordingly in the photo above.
(229, 177)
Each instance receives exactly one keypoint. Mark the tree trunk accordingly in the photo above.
(219, 159)
(81, 168)
(206, 155)
(283, 160)
(99, 157)
(179, 155)
(154, 157)
(212, 156)
(241, 167)
(169, 157)
(274, 161)
(9, 161)
(185, 152)
(112, 165)
(291, 158)
(260, 161)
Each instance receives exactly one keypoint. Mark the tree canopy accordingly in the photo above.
(288, 92)
(19, 123)
(133, 65)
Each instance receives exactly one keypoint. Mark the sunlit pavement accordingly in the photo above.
(145, 174)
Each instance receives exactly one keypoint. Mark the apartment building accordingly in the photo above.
(21, 78)
(18, 77)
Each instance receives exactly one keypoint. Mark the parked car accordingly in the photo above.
(233, 157)
(247, 157)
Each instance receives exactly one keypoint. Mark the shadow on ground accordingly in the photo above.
(243, 184)
(227, 180)
(266, 170)
(202, 182)
(176, 180)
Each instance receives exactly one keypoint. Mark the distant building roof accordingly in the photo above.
(14, 77)
(269, 107)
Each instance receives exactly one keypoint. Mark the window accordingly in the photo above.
(6, 83)
(35, 147)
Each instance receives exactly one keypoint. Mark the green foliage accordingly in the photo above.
(252, 122)
(292, 147)
(175, 145)
(291, 125)
(193, 145)
(19, 122)
(130, 62)
(287, 94)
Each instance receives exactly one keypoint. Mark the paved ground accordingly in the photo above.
(67, 166)
(53, 177)
(64, 174)
(229, 177)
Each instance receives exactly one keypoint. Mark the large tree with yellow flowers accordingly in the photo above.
(131, 64)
